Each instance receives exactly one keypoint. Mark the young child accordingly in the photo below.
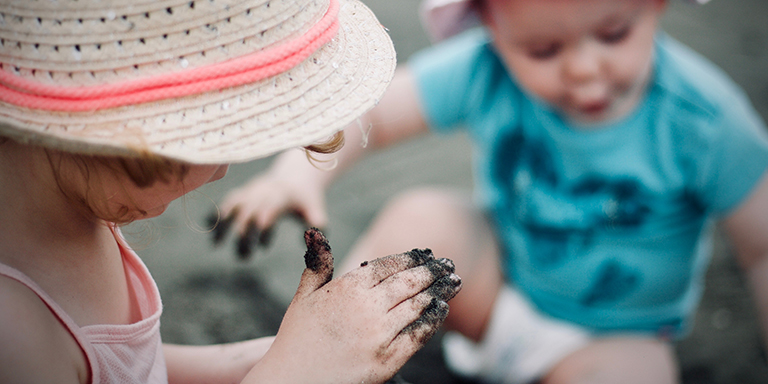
(109, 111)
(604, 152)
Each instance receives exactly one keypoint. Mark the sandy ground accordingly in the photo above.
(212, 297)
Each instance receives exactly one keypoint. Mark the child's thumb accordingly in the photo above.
(316, 216)
(319, 261)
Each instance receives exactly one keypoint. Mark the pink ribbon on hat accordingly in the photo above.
(442, 19)
(242, 70)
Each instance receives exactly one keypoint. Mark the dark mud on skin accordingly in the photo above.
(318, 256)
(440, 267)
(420, 256)
(445, 287)
(422, 330)
(246, 242)
(219, 226)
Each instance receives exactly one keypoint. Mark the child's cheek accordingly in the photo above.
(631, 67)
(542, 81)
(539, 78)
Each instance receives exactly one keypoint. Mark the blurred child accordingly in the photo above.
(604, 152)
(110, 111)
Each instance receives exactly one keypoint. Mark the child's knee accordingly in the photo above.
(618, 360)
(406, 222)
(425, 204)
(439, 219)
(424, 215)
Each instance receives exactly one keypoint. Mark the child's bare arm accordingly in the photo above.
(34, 346)
(294, 185)
(225, 363)
(748, 231)
(399, 114)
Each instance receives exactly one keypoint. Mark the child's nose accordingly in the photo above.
(581, 63)
(221, 171)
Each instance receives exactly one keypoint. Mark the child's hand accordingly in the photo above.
(252, 210)
(362, 327)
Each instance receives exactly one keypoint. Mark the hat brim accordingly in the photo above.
(317, 98)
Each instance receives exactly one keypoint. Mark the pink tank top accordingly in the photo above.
(117, 353)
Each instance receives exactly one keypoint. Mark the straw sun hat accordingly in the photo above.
(201, 81)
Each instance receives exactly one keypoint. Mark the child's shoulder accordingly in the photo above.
(470, 48)
(43, 351)
(695, 83)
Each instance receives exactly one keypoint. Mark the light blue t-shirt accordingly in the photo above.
(607, 227)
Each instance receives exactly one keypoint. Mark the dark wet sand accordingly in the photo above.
(212, 297)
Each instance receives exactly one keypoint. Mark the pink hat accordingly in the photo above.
(444, 18)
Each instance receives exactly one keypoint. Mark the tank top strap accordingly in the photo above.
(60, 314)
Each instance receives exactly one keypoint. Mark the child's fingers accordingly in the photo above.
(415, 307)
(407, 283)
(255, 223)
(269, 212)
(423, 328)
(261, 234)
(247, 241)
(230, 203)
(414, 335)
(319, 262)
(265, 237)
(220, 225)
(211, 222)
(419, 317)
(312, 211)
(377, 270)
(445, 288)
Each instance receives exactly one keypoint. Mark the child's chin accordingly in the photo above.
(595, 117)
(154, 212)
(587, 119)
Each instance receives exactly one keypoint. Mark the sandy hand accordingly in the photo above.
(363, 326)
(252, 210)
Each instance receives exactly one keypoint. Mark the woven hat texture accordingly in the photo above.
(200, 81)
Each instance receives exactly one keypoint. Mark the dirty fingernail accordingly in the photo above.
(247, 241)
(445, 288)
(318, 253)
(211, 220)
(447, 264)
(265, 237)
(440, 267)
(222, 227)
(420, 256)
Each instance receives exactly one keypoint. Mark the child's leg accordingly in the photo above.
(446, 222)
(626, 360)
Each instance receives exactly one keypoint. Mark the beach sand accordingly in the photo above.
(210, 296)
